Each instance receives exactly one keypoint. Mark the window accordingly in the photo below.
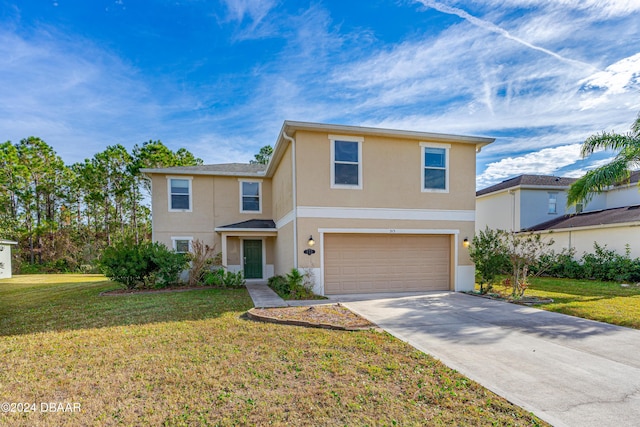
(553, 203)
(346, 162)
(180, 194)
(579, 207)
(435, 167)
(250, 200)
(182, 245)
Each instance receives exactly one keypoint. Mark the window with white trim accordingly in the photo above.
(179, 194)
(346, 162)
(553, 203)
(435, 167)
(250, 196)
(182, 245)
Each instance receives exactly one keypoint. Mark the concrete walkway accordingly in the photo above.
(263, 296)
(568, 371)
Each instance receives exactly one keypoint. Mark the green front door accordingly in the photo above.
(252, 259)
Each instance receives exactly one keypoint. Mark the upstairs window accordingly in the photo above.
(553, 203)
(179, 194)
(250, 200)
(435, 167)
(346, 162)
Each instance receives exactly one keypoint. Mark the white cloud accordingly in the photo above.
(542, 162)
(618, 78)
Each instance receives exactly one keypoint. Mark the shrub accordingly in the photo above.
(222, 278)
(294, 285)
(142, 265)
(490, 257)
(201, 257)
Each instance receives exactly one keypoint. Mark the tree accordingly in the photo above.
(489, 254)
(524, 251)
(614, 172)
(263, 156)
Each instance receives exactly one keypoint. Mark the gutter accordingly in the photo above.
(294, 190)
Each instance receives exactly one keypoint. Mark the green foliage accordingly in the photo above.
(603, 264)
(142, 265)
(223, 278)
(263, 156)
(294, 286)
(490, 257)
(614, 172)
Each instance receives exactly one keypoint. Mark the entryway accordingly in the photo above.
(252, 262)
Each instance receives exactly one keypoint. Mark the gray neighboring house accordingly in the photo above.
(5, 258)
(537, 203)
(522, 202)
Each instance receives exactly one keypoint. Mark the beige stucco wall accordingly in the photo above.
(498, 211)
(391, 175)
(283, 250)
(615, 238)
(282, 185)
(208, 192)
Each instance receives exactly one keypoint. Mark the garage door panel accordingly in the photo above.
(386, 263)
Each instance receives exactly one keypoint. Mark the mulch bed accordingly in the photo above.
(528, 301)
(329, 316)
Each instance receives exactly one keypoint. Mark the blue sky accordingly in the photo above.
(219, 77)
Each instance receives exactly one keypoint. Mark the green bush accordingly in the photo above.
(292, 286)
(224, 279)
(489, 254)
(142, 265)
(603, 264)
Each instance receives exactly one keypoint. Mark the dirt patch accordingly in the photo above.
(330, 316)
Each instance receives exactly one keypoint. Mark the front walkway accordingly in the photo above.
(263, 296)
(566, 370)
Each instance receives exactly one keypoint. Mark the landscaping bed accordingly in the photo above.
(330, 316)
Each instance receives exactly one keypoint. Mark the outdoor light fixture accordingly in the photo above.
(465, 242)
(310, 242)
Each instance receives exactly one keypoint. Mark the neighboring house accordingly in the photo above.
(385, 210)
(522, 202)
(538, 203)
(5, 258)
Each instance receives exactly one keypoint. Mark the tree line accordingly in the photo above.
(63, 216)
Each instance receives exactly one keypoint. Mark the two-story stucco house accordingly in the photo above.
(385, 210)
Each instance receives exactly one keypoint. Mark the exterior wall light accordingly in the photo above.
(466, 242)
(310, 242)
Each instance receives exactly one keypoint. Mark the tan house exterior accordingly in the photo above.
(387, 210)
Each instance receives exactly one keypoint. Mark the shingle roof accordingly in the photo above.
(216, 169)
(253, 223)
(529, 180)
(595, 218)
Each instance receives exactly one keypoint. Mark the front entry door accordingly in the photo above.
(252, 259)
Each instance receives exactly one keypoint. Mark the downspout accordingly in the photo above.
(294, 196)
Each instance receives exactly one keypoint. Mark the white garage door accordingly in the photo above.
(360, 263)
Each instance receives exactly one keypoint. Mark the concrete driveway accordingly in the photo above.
(568, 371)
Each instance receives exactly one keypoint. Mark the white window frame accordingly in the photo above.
(175, 239)
(190, 180)
(259, 181)
(553, 195)
(345, 138)
(447, 151)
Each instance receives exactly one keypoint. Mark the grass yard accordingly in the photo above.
(603, 301)
(192, 358)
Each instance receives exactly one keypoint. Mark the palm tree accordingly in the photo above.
(614, 172)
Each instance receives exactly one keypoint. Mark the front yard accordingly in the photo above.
(603, 301)
(193, 358)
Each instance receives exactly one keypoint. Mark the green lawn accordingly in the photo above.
(192, 358)
(604, 301)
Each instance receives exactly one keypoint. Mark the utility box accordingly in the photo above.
(5, 258)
